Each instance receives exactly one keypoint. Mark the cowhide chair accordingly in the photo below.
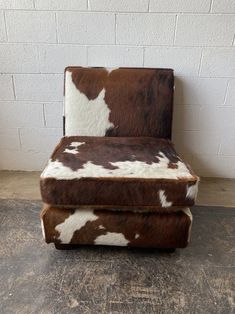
(115, 177)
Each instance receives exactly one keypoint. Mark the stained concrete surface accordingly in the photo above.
(36, 278)
(25, 185)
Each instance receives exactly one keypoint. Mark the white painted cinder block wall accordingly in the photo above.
(195, 37)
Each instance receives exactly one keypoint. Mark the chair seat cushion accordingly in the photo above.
(117, 171)
(121, 228)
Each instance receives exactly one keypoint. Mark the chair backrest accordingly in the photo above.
(118, 102)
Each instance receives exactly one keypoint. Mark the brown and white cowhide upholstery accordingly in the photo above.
(118, 171)
(121, 228)
(115, 179)
(118, 102)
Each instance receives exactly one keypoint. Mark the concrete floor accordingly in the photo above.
(25, 185)
(37, 278)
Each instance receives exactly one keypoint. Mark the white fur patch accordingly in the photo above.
(83, 116)
(43, 230)
(137, 236)
(111, 238)
(74, 147)
(70, 151)
(74, 222)
(77, 144)
(111, 69)
(188, 213)
(192, 191)
(127, 169)
(163, 199)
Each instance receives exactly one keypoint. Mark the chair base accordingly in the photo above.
(69, 228)
(60, 246)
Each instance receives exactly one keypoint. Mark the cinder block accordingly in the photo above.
(19, 160)
(31, 26)
(196, 142)
(19, 58)
(119, 6)
(209, 165)
(61, 5)
(86, 28)
(53, 115)
(145, 29)
(184, 61)
(218, 62)
(217, 119)
(39, 87)
(202, 6)
(230, 97)
(186, 118)
(54, 58)
(223, 6)
(14, 114)
(16, 4)
(114, 56)
(228, 144)
(3, 36)
(39, 139)
(205, 30)
(9, 139)
(6, 87)
(200, 91)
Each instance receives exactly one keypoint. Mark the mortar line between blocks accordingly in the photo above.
(211, 5)
(219, 148)
(226, 93)
(233, 42)
(56, 28)
(115, 35)
(13, 86)
(19, 136)
(144, 55)
(84, 11)
(88, 6)
(60, 74)
(5, 24)
(148, 6)
(44, 115)
(175, 30)
(200, 63)
(130, 45)
(87, 54)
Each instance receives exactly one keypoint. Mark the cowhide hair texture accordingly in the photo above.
(115, 177)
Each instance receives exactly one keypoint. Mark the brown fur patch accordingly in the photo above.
(103, 151)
